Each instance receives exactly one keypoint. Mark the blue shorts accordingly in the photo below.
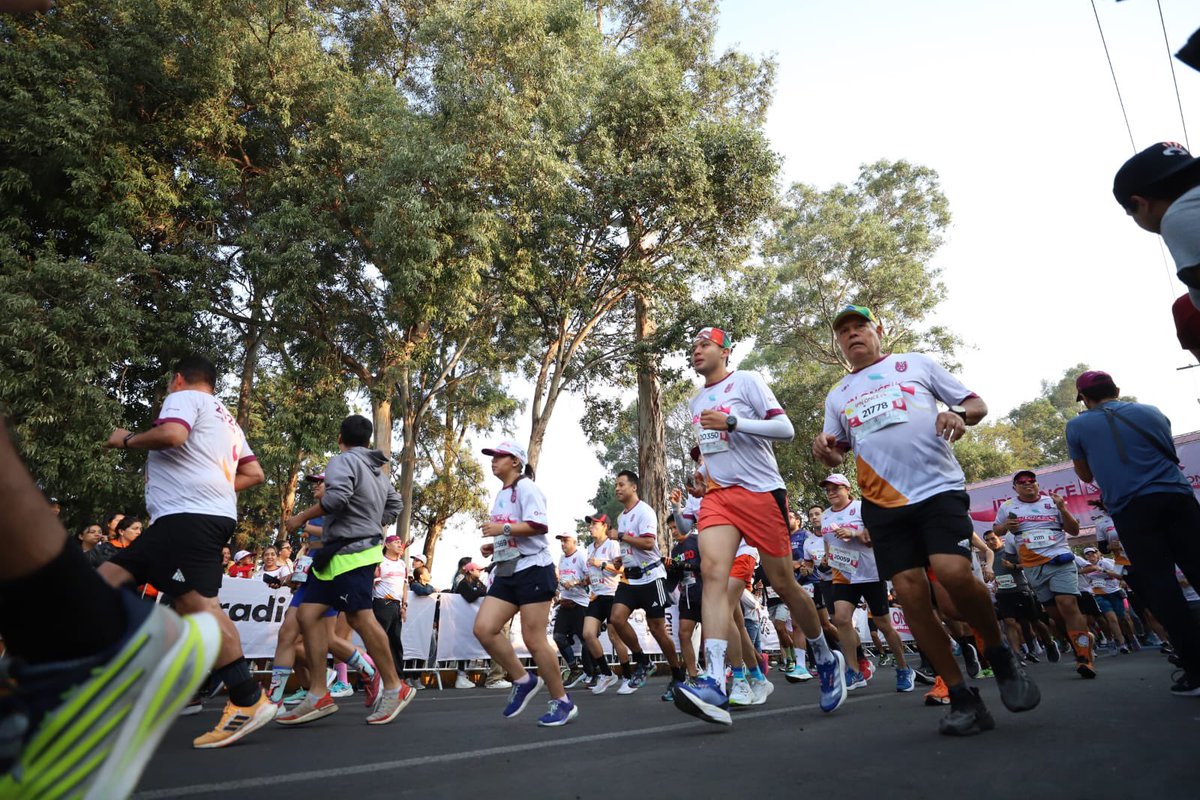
(526, 587)
(298, 598)
(350, 591)
(1114, 602)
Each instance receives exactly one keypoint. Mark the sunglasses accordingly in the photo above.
(1026, 482)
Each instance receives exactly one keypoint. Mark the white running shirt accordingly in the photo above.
(738, 459)
(521, 502)
(852, 561)
(641, 523)
(602, 582)
(573, 568)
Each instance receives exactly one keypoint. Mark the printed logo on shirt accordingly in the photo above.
(901, 366)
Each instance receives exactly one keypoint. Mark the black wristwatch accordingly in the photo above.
(731, 423)
(962, 412)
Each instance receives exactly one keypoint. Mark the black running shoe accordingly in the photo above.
(1052, 651)
(924, 675)
(1018, 692)
(968, 715)
(971, 660)
(1188, 685)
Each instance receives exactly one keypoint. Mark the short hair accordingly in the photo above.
(632, 477)
(126, 523)
(356, 431)
(1101, 391)
(817, 506)
(197, 369)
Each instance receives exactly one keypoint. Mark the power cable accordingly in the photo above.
(1113, 72)
(1171, 63)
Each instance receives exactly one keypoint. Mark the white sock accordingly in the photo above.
(714, 650)
(820, 649)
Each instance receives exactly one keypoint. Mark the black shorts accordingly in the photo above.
(1087, 605)
(600, 608)
(348, 592)
(526, 587)
(905, 537)
(874, 592)
(650, 597)
(1016, 605)
(179, 553)
(569, 620)
(689, 604)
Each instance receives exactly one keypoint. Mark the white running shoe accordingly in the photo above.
(761, 689)
(741, 694)
(499, 683)
(339, 689)
(604, 683)
(461, 681)
(628, 687)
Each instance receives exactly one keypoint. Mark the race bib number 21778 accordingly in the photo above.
(877, 409)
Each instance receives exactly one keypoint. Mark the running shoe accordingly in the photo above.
(797, 674)
(236, 722)
(629, 687)
(939, 695)
(854, 680)
(788, 664)
(971, 660)
(574, 677)
(1123, 650)
(194, 706)
(987, 672)
(561, 712)
(461, 681)
(669, 695)
(372, 686)
(1135, 645)
(968, 716)
(591, 682)
(740, 694)
(499, 683)
(887, 660)
(866, 668)
(341, 689)
(604, 682)
(86, 728)
(905, 680)
(1086, 668)
(1018, 692)
(521, 694)
(833, 682)
(295, 697)
(924, 675)
(1186, 684)
(1031, 657)
(309, 710)
(389, 705)
(762, 690)
(703, 698)
(1052, 652)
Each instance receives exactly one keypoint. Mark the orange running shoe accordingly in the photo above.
(236, 722)
(939, 695)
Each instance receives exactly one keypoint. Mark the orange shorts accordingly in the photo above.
(743, 569)
(760, 517)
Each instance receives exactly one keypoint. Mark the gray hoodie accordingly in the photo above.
(359, 500)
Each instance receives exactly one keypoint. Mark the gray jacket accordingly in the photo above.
(359, 500)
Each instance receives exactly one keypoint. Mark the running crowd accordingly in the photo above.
(908, 541)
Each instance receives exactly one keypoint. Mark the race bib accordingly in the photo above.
(844, 561)
(303, 565)
(875, 410)
(772, 593)
(1044, 537)
(505, 549)
(688, 580)
(712, 441)
(1006, 582)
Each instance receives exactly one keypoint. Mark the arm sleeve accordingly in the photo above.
(778, 427)
(339, 485)
(684, 524)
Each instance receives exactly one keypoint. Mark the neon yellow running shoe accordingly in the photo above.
(86, 729)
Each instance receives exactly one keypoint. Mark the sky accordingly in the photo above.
(1013, 104)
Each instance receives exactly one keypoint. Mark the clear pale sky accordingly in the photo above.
(1013, 104)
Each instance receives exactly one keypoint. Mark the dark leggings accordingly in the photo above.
(387, 612)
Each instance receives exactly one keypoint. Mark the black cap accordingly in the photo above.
(1152, 166)
(1028, 472)
(597, 518)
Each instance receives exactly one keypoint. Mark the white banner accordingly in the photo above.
(456, 630)
(417, 634)
(897, 617)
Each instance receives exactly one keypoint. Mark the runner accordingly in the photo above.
(685, 569)
(1040, 526)
(198, 461)
(736, 418)
(358, 501)
(816, 566)
(523, 582)
(1104, 580)
(856, 577)
(572, 605)
(795, 662)
(604, 570)
(1015, 602)
(914, 500)
(645, 586)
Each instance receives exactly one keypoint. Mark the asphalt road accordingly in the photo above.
(1120, 736)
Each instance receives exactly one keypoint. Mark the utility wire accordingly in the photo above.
(1171, 62)
(1111, 70)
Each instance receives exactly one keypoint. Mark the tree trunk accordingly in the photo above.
(408, 456)
(253, 341)
(652, 464)
(287, 497)
(431, 542)
(381, 412)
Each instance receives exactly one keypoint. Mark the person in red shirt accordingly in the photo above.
(243, 564)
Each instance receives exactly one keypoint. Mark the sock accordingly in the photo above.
(564, 699)
(279, 679)
(526, 680)
(626, 670)
(757, 674)
(315, 698)
(392, 692)
(34, 607)
(714, 650)
(791, 653)
(340, 668)
(677, 674)
(360, 663)
(739, 673)
(641, 659)
(820, 650)
(602, 665)
(244, 691)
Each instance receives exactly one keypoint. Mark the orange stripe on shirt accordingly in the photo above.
(875, 488)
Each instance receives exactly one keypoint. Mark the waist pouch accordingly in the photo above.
(1063, 558)
(635, 572)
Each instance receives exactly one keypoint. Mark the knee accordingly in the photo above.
(482, 631)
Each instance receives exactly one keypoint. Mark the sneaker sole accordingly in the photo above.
(312, 716)
(570, 716)
(537, 687)
(688, 703)
(404, 701)
(841, 673)
(979, 727)
(623, 690)
(1086, 671)
(176, 677)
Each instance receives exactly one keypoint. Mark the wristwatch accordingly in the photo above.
(962, 412)
(507, 529)
(620, 536)
(731, 423)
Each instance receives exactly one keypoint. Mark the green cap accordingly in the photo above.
(855, 311)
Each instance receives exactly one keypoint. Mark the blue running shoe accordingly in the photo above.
(520, 695)
(833, 682)
(561, 712)
(704, 699)
(905, 680)
(854, 680)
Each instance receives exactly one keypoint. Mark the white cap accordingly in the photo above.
(837, 479)
(508, 448)
(570, 536)
(240, 554)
